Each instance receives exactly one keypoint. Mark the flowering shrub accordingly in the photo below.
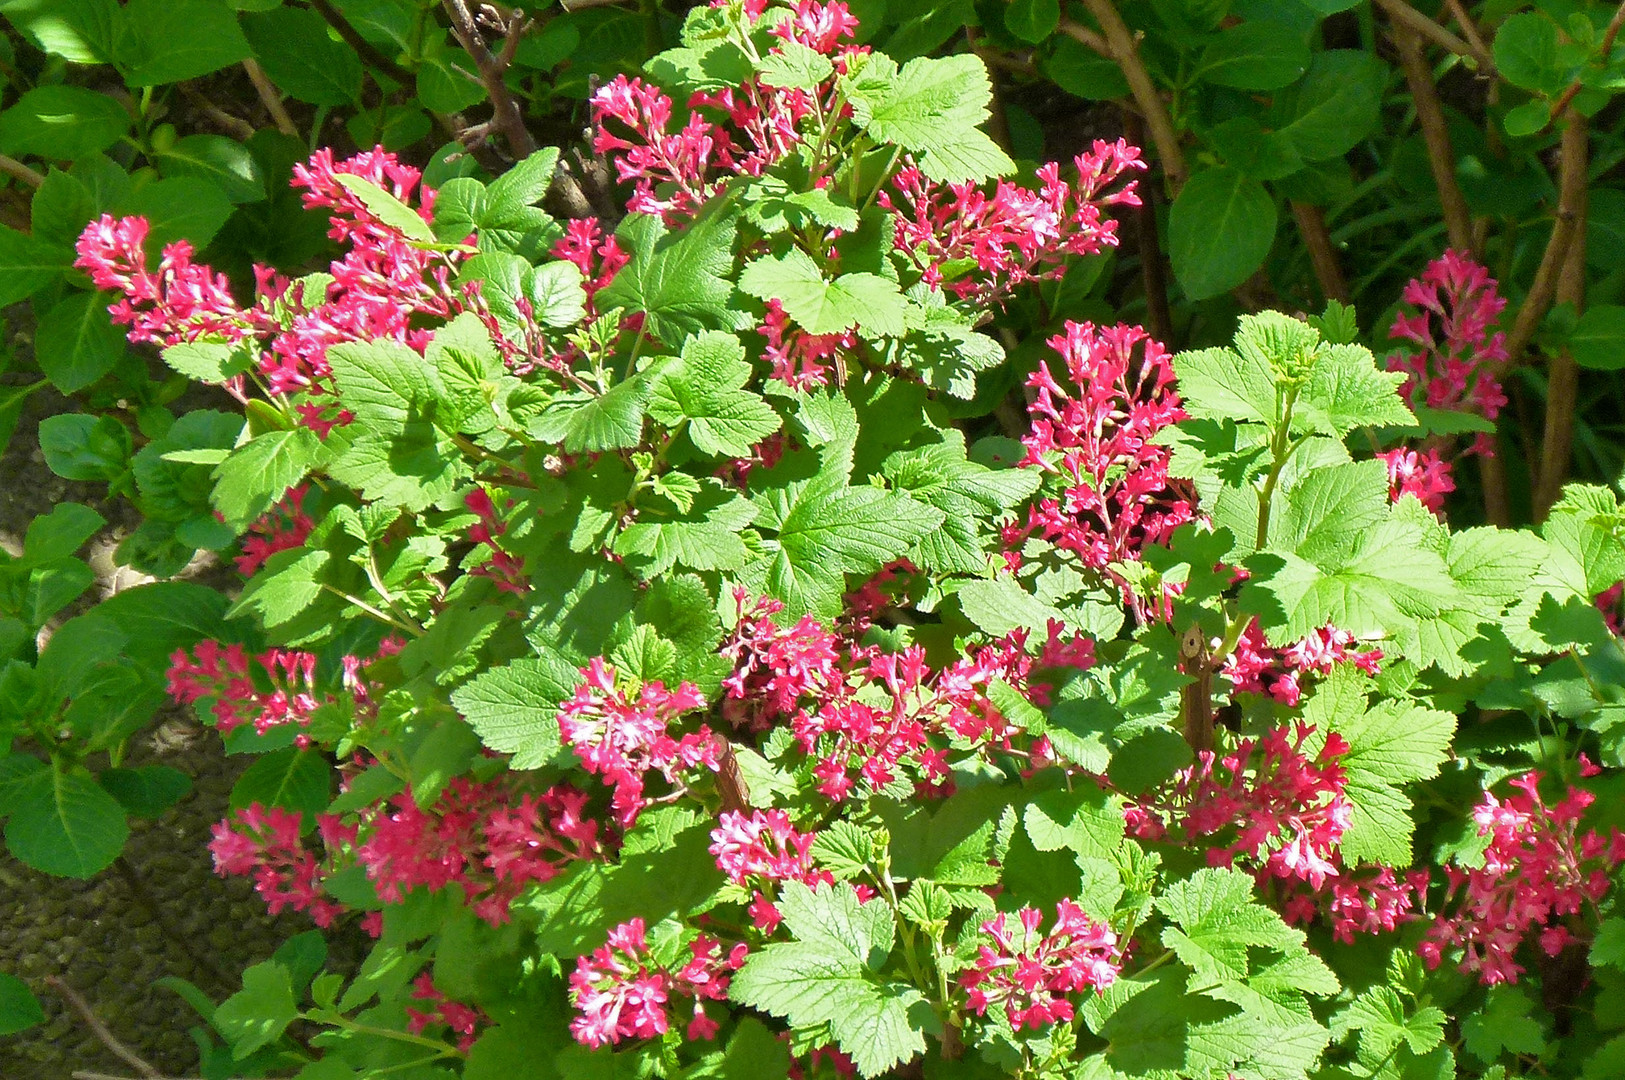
(714, 689)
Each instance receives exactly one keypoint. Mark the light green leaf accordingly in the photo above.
(19, 1008)
(706, 388)
(514, 707)
(260, 1012)
(933, 108)
(866, 301)
(62, 123)
(387, 208)
(972, 498)
(680, 281)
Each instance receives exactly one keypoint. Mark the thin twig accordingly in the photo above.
(1563, 374)
(1119, 45)
(1469, 28)
(505, 110)
(235, 126)
(1153, 273)
(364, 48)
(1322, 254)
(17, 170)
(570, 6)
(99, 1029)
(1435, 136)
(82, 1074)
(1401, 12)
(270, 96)
(1607, 49)
(1571, 185)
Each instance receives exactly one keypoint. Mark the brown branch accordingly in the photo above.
(1571, 185)
(1403, 14)
(235, 126)
(1614, 25)
(1435, 136)
(83, 1074)
(270, 96)
(1563, 374)
(1153, 273)
(1492, 476)
(18, 171)
(1469, 29)
(505, 110)
(1322, 255)
(1118, 44)
(99, 1029)
(364, 48)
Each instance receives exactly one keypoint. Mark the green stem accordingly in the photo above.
(344, 1023)
(376, 579)
(382, 616)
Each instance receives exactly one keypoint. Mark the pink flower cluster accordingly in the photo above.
(1371, 900)
(800, 360)
(282, 528)
(1256, 667)
(265, 844)
(1013, 236)
(275, 687)
(464, 1020)
(501, 566)
(1032, 975)
(622, 738)
(764, 848)
(382, 286)
(1540, 871)
(1455, 305)
(1421, 473)
(1097, 430)
(873, 715)
(621, 993)
(1281, 810)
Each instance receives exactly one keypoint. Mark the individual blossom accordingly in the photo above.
(1420, 473)
(462, 1020)
(1256, 667)
(622, 738)
(501, 566)
(620, 992)
(1033, 976)
(649, 154)
(1094, 427)
(776, 668)
(282, 528)
(1453, 308)
(1539, 873)
(264, 843)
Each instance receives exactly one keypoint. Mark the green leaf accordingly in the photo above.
(586, 422)
(866, 301)
(260, 1012)
(169, 41)
(830, 973)
(1087, 822)
(1380, 1016)
(1503, 1026)
(1220, 228)
(794, 66)
(79, 31)
(76, 342)
(705, 538)
(972, 499)
(64, 823)
(1254, 55)
(1391, 744)
(933, 108)
(1608, 947)
(147, 791)
(290, 778)
(1084, 73)
(1598, 340)
(179, 208)
(514, 707)
(28, 265)
(78, 446)
(1527, 119)
(1526, 53)
(300, 56)
(261, 471)
(62, 123)
(706, 388)
(217, 160)
(19, 1008)
(1032, 20)
(387, 208)
(1216, 921)
(1336, 105)
(680, 281)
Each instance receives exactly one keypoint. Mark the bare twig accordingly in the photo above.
(505, 110)
(1119, 45)
(99, 1029)
(1435, 136)
(17, 170)
(1153, 273)
(1563, 374)
(270, 96)
(235, 126)
(1469, 28)
(582, 5)
(1402, 13)
(368, 52)
(82, 1074)
(1492, 476)
(1571, 185)
(1322, 255)
(1608, 37)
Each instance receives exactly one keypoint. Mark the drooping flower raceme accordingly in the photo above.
(1033, 976)
(1455, 304)
(620, 992)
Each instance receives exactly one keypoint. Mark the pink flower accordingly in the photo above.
(1096, 431)
(284, 527)
(179, 302)
(1455, 304)
(1422, 474)
(464, 1020)
(621, 993)
(623, 738)
(265, 843)
(502, 567)
(1031, 975)
(1256, 667)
